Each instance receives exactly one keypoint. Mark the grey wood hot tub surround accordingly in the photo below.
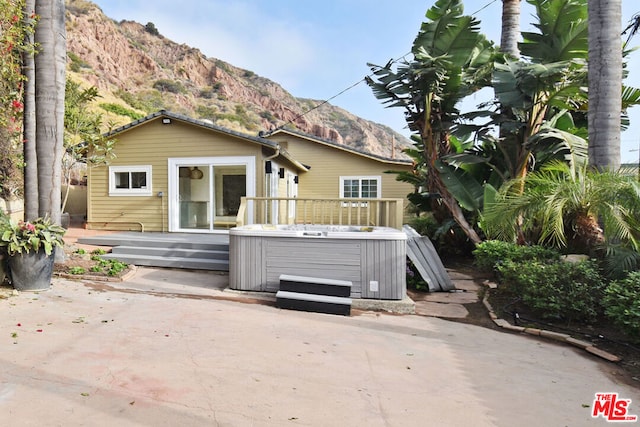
(373, 261)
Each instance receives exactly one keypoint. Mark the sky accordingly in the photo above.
(318, 48)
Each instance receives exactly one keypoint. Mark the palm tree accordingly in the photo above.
(451, 60)
(29, 123)
(510, 27)
(605, 83)
(565, 207)
(50, 75)
(632, 27)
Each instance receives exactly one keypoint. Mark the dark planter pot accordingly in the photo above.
(3, 266)
(31, 271)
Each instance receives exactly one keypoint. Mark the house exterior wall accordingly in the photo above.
(328, 164)
(152, 144)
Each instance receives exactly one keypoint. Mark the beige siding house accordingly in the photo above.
(337, 171)
(172, 173)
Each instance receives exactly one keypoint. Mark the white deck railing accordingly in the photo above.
(287, 210)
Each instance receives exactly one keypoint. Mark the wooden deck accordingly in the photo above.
(175, 250)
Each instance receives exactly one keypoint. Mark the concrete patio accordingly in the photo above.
(170, 347)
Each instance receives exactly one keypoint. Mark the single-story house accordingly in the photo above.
(177, 174)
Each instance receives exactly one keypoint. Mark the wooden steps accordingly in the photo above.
(171, 250)
(314, 294)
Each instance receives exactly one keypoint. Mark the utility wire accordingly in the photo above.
(336, 95)
(326, 101)
(483, 7)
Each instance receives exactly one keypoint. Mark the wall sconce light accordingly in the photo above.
(281, 173)
(166, 121)
(295, 179)
(196, 173)
(267, 166)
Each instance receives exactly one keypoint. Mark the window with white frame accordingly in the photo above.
(360, 187)
(130, 180)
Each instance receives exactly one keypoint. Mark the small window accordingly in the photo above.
(130, 180)
(360, 187)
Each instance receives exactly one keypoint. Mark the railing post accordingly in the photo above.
(399, 214)
(240, 217)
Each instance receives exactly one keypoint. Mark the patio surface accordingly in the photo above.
(174, 348)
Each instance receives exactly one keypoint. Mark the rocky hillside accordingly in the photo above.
(138, 71)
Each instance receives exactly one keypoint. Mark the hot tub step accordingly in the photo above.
(313, 302)
(315, 285)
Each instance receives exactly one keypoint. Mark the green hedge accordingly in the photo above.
(490, 254)
(556, 290)
(621, 303)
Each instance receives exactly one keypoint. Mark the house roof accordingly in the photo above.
(207, 125)
(200, 123)
(261, 139)
(334, 144)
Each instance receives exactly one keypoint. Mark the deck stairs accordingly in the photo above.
(173, 250)
(314, 294)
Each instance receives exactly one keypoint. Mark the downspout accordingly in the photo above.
(277, 153)
(266, 159)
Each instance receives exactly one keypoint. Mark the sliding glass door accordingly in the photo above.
(205, 193)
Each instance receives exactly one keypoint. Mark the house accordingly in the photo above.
(173, 173)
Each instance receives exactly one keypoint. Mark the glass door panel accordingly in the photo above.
(230, 186)
(194, 194)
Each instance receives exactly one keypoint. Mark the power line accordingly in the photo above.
(361, 80)
(483, 7)
(336, 95)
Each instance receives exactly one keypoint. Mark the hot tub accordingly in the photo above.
(373, 259)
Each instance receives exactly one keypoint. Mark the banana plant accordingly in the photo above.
(451, 60)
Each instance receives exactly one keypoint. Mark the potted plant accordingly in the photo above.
(30, 249)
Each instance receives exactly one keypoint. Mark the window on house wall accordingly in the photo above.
(130, 180)
(360, 187)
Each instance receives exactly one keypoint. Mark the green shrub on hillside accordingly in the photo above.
(148, 101)
(166, 85)
(79, 7)
(77, 63)
(206, 112)
(151, 29)
(120, 110)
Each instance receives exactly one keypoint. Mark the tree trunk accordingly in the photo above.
(510, 27)
(435, 146)
(29, 126)
(50, 74)
(605, 83)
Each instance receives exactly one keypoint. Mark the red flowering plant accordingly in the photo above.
(23, 237)
(15, 29)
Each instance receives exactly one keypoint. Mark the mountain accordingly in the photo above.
(138, 71)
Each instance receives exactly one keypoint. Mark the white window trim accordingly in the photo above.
(174, 163)
(378, 178)
(113, 191)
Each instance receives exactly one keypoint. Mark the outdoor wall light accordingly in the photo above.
(281, 173)
(196, 173)
(295, 179)
(166, 121)
(267, 166)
